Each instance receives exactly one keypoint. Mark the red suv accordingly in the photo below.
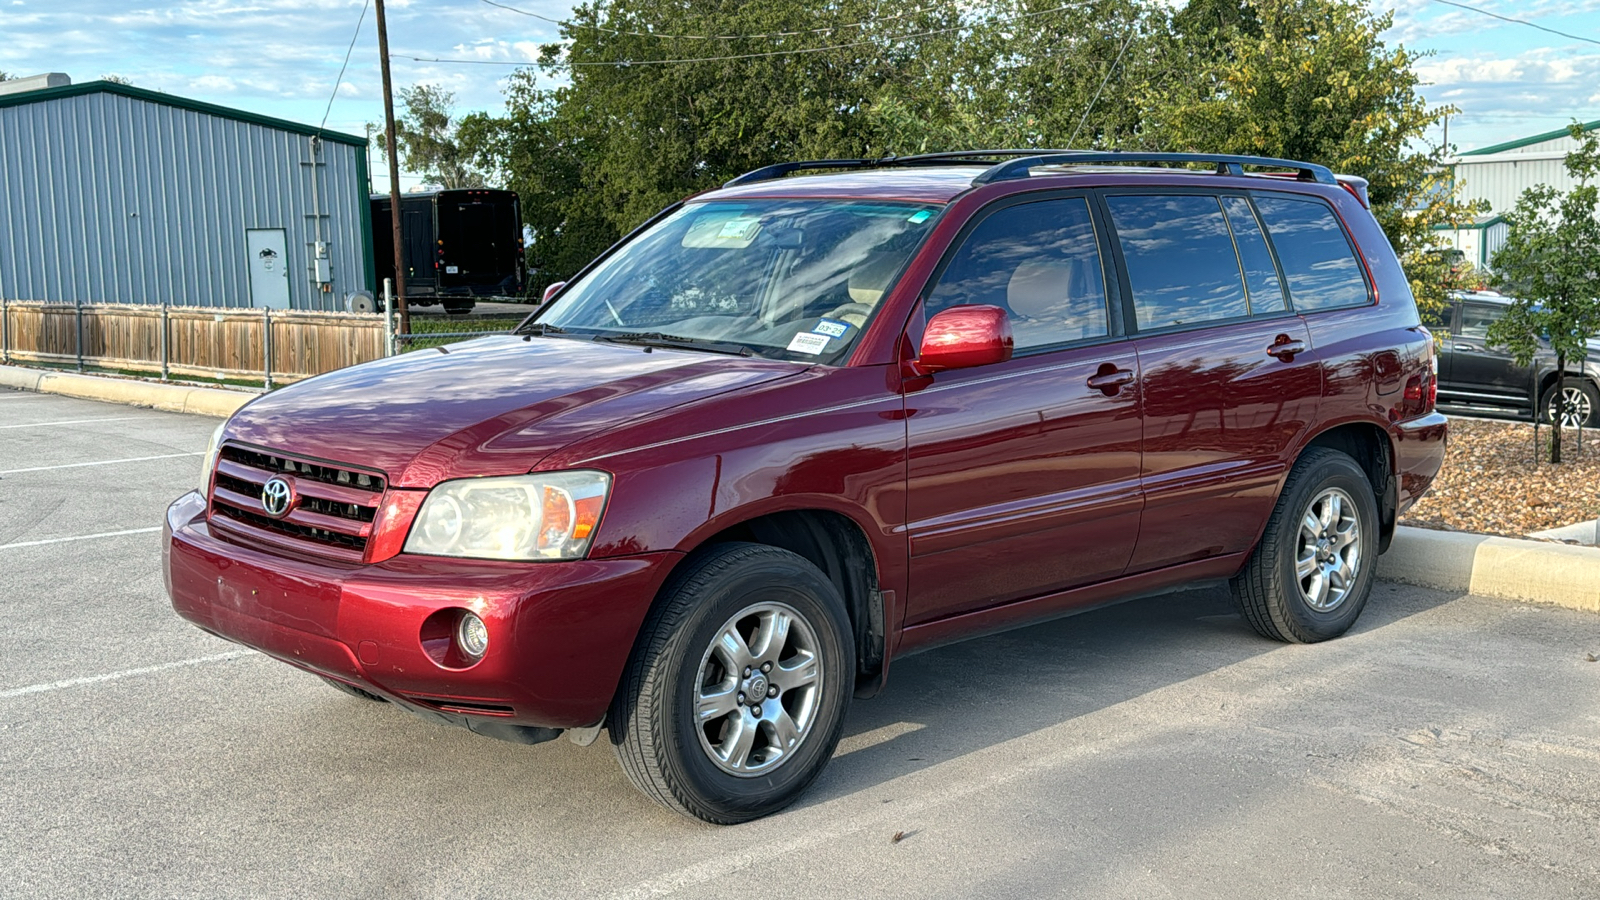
(795, 427)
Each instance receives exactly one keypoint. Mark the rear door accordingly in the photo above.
(1024, 479)
(1230, 380)
(1482, 374)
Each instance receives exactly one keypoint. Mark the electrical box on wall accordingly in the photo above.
(322, 272)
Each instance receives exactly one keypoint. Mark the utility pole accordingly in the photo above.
(394, 173)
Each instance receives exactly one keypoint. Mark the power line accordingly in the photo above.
(1090, 108)
(770, 53)
(1516, 21)
(712, 37)
(359, 22)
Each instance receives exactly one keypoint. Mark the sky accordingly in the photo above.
(282, 57)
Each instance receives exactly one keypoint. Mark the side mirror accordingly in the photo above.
(965, 336)
(552, 290)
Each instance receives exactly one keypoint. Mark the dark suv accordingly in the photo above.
(1478, 378)
(796, 427)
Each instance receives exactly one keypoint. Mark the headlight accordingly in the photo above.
(546, 515)
(210, 464)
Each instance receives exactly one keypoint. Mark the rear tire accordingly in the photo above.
(737, 690)
(1310, 576)
(1577, 401)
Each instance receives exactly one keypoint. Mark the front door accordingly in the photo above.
(1024, 479)
(268, 252)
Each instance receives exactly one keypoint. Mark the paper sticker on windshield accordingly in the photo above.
(920, 216)
(809, 342)
(832, 328)
(722, 233)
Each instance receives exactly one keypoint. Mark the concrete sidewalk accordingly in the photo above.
(205, 401)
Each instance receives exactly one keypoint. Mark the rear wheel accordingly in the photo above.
(737, 691)
(1310, 576)
(1575, 404)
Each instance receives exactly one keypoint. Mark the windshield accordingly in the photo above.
(787, 279)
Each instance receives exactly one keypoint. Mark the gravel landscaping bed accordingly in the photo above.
(1491, 484)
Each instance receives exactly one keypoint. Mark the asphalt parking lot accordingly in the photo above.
(1449, 746)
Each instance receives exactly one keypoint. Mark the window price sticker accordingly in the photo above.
(809, 343)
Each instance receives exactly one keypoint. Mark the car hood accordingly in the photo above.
(491, 406)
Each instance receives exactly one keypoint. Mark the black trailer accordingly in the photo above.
(458, 245)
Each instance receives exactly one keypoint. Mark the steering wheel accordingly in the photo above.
(845, 311)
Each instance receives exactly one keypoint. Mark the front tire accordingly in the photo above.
(1310, 576)
(737, 690)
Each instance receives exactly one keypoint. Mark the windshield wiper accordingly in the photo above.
(674, 342)
(544, 329)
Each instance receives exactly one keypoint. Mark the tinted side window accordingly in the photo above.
(1181, 262)
(1040, 263)
(1475, 320)
(1317, 259)
(1260, 275)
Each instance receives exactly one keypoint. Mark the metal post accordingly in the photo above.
(266, 346)
(392, 150)
(5, 331)
(164, 339)
(80, 333)
(388, 317)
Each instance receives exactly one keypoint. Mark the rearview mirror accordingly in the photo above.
(965, 336)
(552, 290)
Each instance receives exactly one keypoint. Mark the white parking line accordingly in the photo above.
(70, 422)
(81, 537)
(114, 676)
(103, 462)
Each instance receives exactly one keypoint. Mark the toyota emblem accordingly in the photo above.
(277, 496)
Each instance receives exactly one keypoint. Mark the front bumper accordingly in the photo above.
(560, 633)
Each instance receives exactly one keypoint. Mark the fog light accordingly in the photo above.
(472, 636)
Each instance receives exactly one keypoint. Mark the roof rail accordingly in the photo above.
(947, 157)
(1226, 164)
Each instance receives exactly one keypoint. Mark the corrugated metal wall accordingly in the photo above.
(106, 198)
(1501, 180)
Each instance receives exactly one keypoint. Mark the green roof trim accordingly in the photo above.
(1523, 142)
(210, 109)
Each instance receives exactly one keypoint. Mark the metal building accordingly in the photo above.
(115, 194)
(1499, 174)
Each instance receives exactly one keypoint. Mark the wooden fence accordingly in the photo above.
(190, 340)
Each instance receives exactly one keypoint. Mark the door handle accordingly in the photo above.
(1286, 349)
(1110, 379)
(1463, 347)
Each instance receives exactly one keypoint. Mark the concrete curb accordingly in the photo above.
(203, 401)
(1505, 568)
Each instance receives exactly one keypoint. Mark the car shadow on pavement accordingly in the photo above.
(966, 697)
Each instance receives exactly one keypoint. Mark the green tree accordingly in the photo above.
(1311, 80)
(429, 138)
(117, 79)
(1551, 264)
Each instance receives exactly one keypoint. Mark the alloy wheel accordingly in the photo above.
(1328, 550)
(759, 689)
(1571, 407)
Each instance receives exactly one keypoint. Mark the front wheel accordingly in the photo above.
(736, 694)
(1576, 404)
(1309, 577)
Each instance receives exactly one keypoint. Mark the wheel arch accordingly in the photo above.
(1372, 447)
(836, 544)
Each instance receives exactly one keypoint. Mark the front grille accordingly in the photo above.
(332, 515)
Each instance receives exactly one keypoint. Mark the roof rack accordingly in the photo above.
(948, 157)
(1025, 161)
(1226, 164)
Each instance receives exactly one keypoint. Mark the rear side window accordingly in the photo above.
(1317, 259)
(1040, 262)
(1260, 275)
(1181, 261)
